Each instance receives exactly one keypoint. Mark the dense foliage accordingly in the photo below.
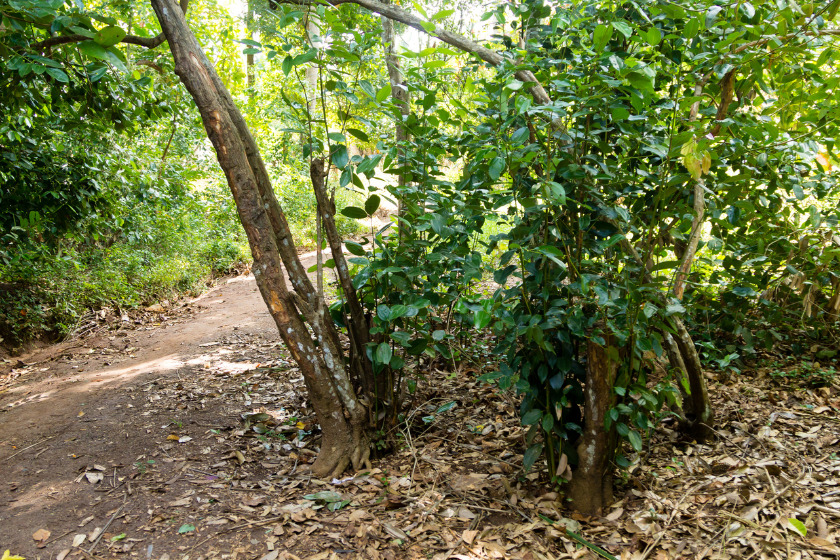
(663, 164)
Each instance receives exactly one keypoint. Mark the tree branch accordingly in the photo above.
(148, 42)
(456, 40)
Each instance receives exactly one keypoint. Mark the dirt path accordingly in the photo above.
(77, 407)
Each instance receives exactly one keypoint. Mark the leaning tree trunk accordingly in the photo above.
(683, 356)
(698, 413)
(342, 416)
(591, 487)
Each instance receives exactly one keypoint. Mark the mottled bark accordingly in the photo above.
(591, 487)
(340, 413)
(399, 94)
(700, 407)
(693, 240)
(357, 326)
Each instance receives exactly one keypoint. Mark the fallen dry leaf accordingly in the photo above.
(41, 535)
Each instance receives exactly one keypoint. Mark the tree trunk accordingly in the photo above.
(249, 58)
(698, 414)
(340, 413)
(693, 240)
(685, 359)
(591, 487)
(399, 94)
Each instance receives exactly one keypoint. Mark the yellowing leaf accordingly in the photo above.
(8, 556)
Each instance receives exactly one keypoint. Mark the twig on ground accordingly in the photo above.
(676, 510)
(29, 447)
(105, 528)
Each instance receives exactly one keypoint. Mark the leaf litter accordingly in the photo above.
(227, 441)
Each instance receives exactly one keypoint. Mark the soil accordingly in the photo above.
(182, 433)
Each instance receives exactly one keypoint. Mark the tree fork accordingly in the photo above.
(340, 413)
(326, 209)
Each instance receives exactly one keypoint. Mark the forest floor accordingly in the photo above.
(180, 434)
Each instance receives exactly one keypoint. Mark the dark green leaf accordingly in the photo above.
(354, 212)
(531, 455)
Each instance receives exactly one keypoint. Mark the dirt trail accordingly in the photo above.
(75, 409)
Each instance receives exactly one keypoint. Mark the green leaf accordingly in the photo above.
(186, 528)
(442, 15)
(305, 57)
(531, 417)
(367, 88)
(692, 26)
(354, 212)
(372, 204)
(653, 36)
(286, 65)
(109, 36)
(446, 407)
(398, 311)
(358, 134)
(58, 75)
(325, 496)
(635, 440)
(623, 27)
(531, 455)
(640, 81)
(554, 254)
(383, 353)
(798, 526)
(601, 36)
(383, 93)
(439, 334)
(497, 165)
(354, 247)
(93, 50)
(547, 422)
(482, 319)
(619, 113)
(335, 506)
(711, 16)
(339, 156)
(521, 135)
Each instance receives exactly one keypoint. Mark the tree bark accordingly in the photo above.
(698, 412)
(340, 413)
(399, 94)
(249, 58)
(591, 487)
(699, 405)
(693, 239)
(357, 326)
